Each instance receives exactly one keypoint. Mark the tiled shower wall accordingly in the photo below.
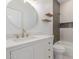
(66, 21)
(56, 20)
(63, 21)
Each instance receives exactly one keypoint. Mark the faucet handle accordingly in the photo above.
(17, 35)
(28, 34)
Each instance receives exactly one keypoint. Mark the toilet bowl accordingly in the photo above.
(58, 51)
(68, 47)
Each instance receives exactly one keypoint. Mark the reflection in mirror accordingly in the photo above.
(14, 17)
(21, 15)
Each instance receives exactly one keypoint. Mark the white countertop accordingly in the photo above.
(12, 42)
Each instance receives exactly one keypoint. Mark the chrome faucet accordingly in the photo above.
(23, 34)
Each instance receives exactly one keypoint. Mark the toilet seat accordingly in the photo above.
(58, 48)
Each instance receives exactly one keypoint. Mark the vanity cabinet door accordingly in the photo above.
(7, 54)
(43, 50)
(22, 53)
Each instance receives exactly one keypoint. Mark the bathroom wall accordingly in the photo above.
(42, 7)
(66, 21)
(56, 20)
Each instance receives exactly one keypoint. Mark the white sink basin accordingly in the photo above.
(25, 38)
(28, 38)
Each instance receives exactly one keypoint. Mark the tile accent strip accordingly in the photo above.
(66, 25)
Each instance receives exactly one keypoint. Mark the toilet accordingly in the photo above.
(63, 50)
(58, 51)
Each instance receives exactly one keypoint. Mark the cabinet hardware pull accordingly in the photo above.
(49, 56)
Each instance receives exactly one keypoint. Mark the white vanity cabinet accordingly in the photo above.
(44, 50)
(40, 49)
(22, 53)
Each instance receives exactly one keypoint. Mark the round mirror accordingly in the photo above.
(21, 15)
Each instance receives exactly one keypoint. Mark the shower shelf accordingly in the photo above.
(46, 20)
(49, 14)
